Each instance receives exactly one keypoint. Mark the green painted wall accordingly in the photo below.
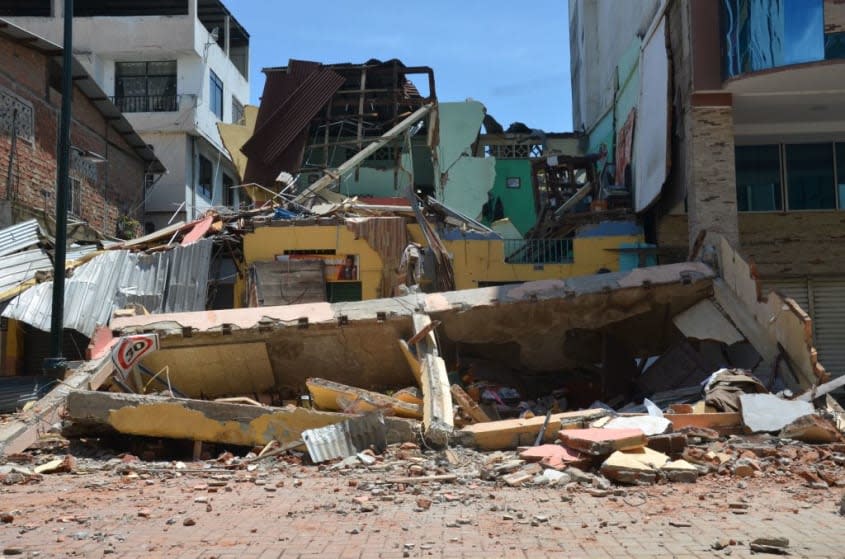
(518, 203)
(464, 180)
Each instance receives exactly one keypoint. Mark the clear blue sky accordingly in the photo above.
(512, 56)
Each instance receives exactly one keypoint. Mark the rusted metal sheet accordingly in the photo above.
(290, 101)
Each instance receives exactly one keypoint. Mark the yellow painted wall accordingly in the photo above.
(473, 260)
(12, 350)
(484, 261)
(267, 242)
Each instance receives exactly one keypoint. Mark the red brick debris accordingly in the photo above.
(113, 504)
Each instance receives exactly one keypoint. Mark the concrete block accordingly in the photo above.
(601, 442)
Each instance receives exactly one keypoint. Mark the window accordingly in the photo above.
(30, 8)
(74, 202)
(840, 172)
(16, 117)
(513, 182)
(761, 35)
(216, 95)
(205, 185)
(758, 178)
(91, 8)
(237, 111)
(809, 177)
(228, 191)
(142, 87)
(790, 177)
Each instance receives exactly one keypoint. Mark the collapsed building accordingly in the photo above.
(366, 278)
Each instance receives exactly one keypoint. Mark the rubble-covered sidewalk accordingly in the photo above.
(121, 505)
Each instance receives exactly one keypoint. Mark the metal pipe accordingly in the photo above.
(55, 364)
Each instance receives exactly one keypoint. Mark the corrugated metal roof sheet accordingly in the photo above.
(116, 279)
(20, 267)
(188, 286)
(19, 237)
(346, 438)
(75, 252)
(289, 102)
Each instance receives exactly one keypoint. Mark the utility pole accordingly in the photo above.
(55, 363)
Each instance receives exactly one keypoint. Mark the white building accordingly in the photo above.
(175, 68)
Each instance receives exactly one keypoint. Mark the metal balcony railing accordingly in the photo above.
(538, 251)
(147, 103)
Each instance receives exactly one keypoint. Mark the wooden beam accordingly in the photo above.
(417, 338)
(438, 420)
(413, 362)
(352, 163)
(469, 405)
(25, 429)
(201, 420)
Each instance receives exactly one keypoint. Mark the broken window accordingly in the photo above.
(74, 202)
(145, 86)
(758, 178)
(809, 177)
(205, 185)
(237, 111)
(215, 95)
(228, 191)
(761, 35)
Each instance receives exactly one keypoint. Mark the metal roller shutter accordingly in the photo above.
(795, 288)
(829, 320)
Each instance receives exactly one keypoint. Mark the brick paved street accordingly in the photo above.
(300, 511)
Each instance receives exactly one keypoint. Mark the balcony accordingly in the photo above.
(538, 251)
(147, 103)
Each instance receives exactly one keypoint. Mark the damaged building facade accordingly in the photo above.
(174, 69)
(108, 158)
(723, 116)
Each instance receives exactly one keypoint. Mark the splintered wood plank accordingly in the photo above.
(470, 407)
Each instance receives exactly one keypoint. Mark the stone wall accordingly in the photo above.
(711, 191)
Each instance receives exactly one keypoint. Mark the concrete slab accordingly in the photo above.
(768, 413)
(601, 442)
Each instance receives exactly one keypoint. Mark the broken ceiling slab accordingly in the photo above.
(812, 429)
(725, 423)
(201, 420)
(337, 341)
(680, 471)
(208, 369)
(768, 323)
(704, 321)
(334, 396)
(634, 466)
(24, 428)
(555, 456)
(511, 433)
(768, 413)
(601, 442)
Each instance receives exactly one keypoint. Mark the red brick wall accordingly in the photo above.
(118, 186)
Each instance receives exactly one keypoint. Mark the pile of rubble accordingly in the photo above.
(588, 450)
